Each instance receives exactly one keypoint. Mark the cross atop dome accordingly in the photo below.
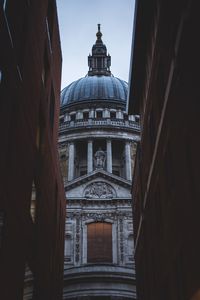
(99, 34)
(99, 62)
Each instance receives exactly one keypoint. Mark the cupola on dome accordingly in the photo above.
(99, 84)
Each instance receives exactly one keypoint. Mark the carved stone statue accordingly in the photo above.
(99, 159)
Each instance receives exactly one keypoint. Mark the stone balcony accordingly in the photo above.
(104, 122)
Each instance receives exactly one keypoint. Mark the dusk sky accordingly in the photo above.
(78, 21)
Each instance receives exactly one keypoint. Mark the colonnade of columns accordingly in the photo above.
(90, 155)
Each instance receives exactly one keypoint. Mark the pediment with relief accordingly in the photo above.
(82, 187)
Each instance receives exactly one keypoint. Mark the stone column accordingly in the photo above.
(106, 113)
(119, 114)
(109, 155)
(71, 161)
(91, 113)
(67, 117)
(128, 160)
(90, 157)
(131, 118)
(79, 115)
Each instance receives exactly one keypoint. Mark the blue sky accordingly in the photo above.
(78, 21)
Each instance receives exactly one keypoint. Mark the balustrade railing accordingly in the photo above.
(99, 122)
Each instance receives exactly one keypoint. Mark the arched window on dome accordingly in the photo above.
(125, 116)
(99, 242)
(73, 117)
(99, 114)
(85, 115)
(113, 115)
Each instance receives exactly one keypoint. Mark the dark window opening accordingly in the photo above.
(137, 119)
(99, 242)
(81, 158)
(86, 115)
(125, 117)
(113, 115)
(73, 117)
(99, 63)
(83, 172)
(116, 172)
(99, 114)
(118, 165)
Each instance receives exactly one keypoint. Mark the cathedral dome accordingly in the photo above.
(99, 84)
(93, 88)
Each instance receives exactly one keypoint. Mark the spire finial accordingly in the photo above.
(99, 34)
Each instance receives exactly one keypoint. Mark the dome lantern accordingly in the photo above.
(99, 62)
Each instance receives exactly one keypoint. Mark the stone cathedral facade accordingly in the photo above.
(97, 147)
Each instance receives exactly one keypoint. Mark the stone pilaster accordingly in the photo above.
(71, 161)
(109, 155)
(128, 160)
(91, 113)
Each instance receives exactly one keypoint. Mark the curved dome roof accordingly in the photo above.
(93, 88)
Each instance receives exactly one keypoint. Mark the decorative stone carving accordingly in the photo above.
(99, 159)
(91, 215)
(99, 190)
(100, 202)
(77, 239)
(98, 217)
(121, 244)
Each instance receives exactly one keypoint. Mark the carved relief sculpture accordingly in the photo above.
(99, 190)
